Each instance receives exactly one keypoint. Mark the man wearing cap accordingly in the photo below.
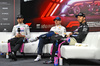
(19, 34)
(57, 29)
(80, 33)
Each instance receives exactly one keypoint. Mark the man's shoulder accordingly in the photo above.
(62, 26)
(85, 25)
(15, 25)
(59, 26)
(26, 25)
(53, 27)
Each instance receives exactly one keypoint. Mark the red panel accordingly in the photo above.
(55, 9)
(51, 9)
(61, 1)
(47, 9)
(57, 0)
(74, 25)
(53, 0)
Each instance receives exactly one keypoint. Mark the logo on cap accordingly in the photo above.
(80, 14)
(57, 18)
(19, 16)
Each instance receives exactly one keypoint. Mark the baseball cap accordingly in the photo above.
(80, 14)
(19, 16)
(57, 18)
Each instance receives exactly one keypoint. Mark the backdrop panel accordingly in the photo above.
(39, 14)
(8, 11)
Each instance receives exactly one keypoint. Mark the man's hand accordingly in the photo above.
(20, 35)
(56, 33)
(76, 32)
(69, 34)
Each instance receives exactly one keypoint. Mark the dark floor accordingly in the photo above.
(28, 61)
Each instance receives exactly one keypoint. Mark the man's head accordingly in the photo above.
(80, 17)
(57, 21)
(20, 19)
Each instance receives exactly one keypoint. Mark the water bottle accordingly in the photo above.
(56, 60)
(7, 55)
(60, 61)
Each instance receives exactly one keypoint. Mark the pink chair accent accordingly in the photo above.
(51, 49)
(9, 48)
(21, 49)
(59, 53)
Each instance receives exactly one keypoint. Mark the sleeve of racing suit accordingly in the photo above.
(52, 29)
(27, 32)
(64, 32)
(82, 34)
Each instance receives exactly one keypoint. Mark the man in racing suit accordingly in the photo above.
(19, 34)
(57, 29)
(80, 33)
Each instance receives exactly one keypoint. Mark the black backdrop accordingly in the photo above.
(8, 11)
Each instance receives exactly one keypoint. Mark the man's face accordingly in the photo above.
(20, 20)
(57, 22)
(81, 19)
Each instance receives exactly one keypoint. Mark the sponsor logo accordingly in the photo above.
(38, 25)
(72, 23)
(94, 24)
(47, 26)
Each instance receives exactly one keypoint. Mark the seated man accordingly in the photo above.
(19, 34)
(78, 35)
(57, 29)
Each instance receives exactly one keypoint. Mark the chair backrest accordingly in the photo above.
(96, 40)
(92, 39)
(87, 38)
(4, 36)
(36, 34)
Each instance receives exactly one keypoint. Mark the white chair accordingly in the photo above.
(92, 51)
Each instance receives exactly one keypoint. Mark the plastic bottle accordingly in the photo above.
(7, 56)
(56, 60)
(60, 61)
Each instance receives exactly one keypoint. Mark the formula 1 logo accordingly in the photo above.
(29, 24)
(72, 23)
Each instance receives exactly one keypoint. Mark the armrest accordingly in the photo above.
(81, 45)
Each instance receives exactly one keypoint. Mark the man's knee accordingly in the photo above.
(9, 40)
(21, 38)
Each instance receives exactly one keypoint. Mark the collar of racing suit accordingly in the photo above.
(21, 24)
(83, 23)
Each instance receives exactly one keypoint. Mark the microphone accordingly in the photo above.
(18, 30)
